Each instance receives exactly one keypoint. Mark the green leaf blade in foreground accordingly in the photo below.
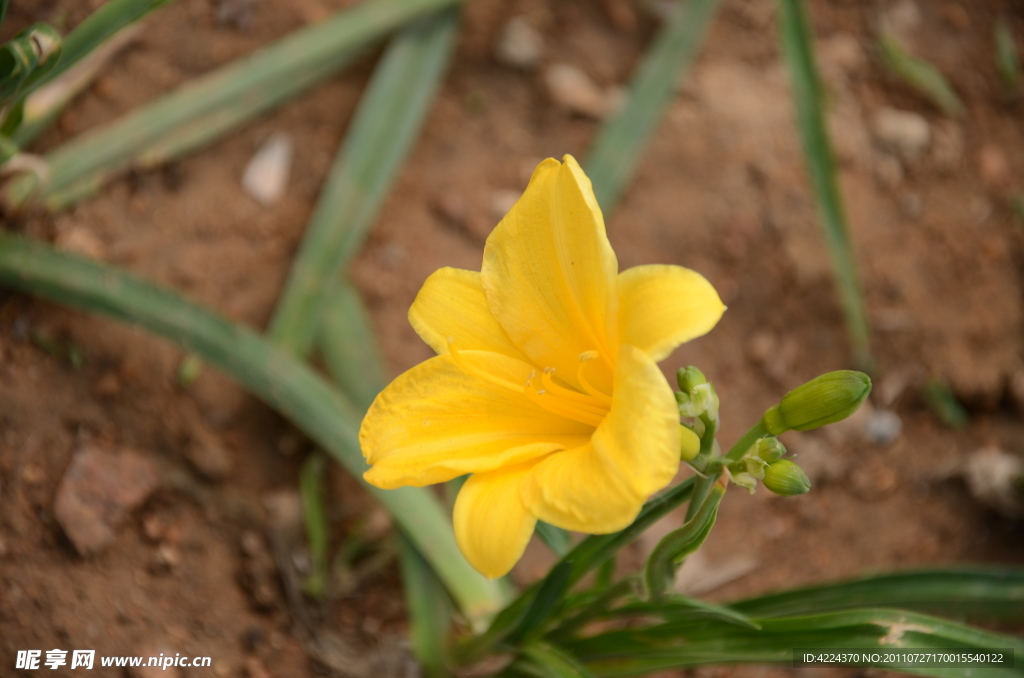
(671, 646)
(382, 132)
(208, 107)
(616, 150)
(799, 54)
(278, 379)
(974, 592)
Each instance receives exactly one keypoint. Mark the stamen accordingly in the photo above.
(568, 394)
(581, 377)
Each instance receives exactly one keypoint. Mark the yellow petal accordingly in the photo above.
(662, 306)
(439, 421)
(600, 487)
(549, 272)
(451, 306)
(492, 526)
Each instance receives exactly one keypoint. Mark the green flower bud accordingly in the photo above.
(689, 379)
(786, 479)
(770, 449)
(689, 446)
(825, 400)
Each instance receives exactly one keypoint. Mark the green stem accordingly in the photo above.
(282, 382)
(756, 432)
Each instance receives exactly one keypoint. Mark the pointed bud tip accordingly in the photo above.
(786, 479)
(824, 400)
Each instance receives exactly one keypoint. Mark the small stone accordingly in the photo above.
(572, 89)
(97, 493)
(883, 427)
(519, 45)
(996, 479)
(154, 527)
(207, 455)
(166, 559)
(903, 133)
(993, 166)
(266, 176)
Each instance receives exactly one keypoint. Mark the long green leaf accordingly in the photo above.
(647, 649)
(278, 379)
(984, 592)
(349, 348)
(677, 608)
(616, 150)
(798, 51)
(430, 614)
(207, 107)
(544, 660)
(383, 129)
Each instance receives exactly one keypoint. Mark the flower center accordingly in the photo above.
(589, 406)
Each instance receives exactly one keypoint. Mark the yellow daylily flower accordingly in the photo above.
(545, 387)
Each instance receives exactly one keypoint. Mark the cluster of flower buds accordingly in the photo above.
(698, 403)
(764, 462)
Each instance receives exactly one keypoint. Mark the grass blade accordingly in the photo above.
(279, 380)
(799, 54)
(985, 592)
(378, 140)
(555, 538)
(314, 515)
(99, 27)
(208, 107)
(1007, 57)
(349, 348)
(919, 74)
(647, 649)
(615, 152)
(430, 614)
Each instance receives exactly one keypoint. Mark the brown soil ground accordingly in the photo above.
(722, 190)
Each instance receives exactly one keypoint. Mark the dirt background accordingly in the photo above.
(207, 565)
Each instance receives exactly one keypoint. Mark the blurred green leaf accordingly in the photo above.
(797, 48)
(682, 609)
(555, 538)
(615, 152)
(33, 51)
(976, 592)
(207, 107)
(1007, 57)
(544, 660)
(940, 398)
(645, 649)
(379, 138)
(430, 611)
(550, 593)
(282, 382)
(919, 74)
(314, 515)
(349, 348)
